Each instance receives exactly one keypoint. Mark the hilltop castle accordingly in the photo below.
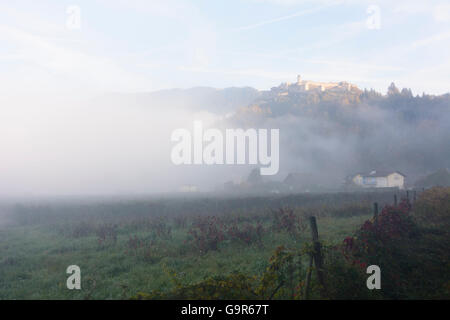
(308, 85)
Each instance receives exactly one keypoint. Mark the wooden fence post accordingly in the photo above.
(317, 254)
(308, 277)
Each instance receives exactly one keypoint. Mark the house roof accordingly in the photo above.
(379, 173)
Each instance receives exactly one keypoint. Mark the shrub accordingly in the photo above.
(107, 234)
(161, 229)
(143, 248)
(376, 236)
(280, 280)
(284, 219)
(206, 233)
(133, 244)
(432, 208)
(180, 221)
(344, 281)
(234, 286)
(247, 233)
(392, 242)
(76, 230)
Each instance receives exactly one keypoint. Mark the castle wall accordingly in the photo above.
(308, 85)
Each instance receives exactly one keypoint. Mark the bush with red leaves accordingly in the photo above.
(247, 233)
(207, 233)
(284, 219)
(376, 235)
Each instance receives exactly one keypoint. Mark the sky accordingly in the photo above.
(97, 46)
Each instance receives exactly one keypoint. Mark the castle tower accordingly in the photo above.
(299, 79)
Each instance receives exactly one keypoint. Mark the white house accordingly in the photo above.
(380, 179)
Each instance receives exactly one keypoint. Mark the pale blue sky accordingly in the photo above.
(136, 45)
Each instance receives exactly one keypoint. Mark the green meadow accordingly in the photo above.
(125, 247)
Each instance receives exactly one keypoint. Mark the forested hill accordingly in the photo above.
(334, 103)
(335, 132)
(332, 132)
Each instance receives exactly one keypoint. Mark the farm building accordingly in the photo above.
(379, 179)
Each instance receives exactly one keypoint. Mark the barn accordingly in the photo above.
(380, 179)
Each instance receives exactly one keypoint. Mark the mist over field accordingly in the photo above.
(120, 143)
(235, 150)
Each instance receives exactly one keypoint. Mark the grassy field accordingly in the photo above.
(128, 246)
